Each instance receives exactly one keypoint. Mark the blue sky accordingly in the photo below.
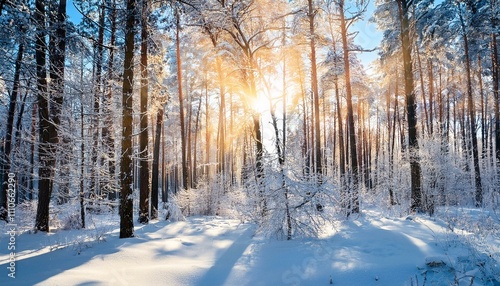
(368, 37)
(73, 14)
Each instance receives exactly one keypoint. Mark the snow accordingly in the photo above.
(370, 249)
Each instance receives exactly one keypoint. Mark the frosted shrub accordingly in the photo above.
(443, 175)
(310, 206)
(71, 221)
(209, 198)
(172, 210)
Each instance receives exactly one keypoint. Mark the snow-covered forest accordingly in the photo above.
(233, 135)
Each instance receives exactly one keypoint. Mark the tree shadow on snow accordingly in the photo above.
(220, 271)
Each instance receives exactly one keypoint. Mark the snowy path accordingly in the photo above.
(369, 250)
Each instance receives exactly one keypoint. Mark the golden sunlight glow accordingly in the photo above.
(269, 93)
(260, 104)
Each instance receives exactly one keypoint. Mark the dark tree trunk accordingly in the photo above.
(496, 94)
(82, 158)
(315, 93)
(472, 119)
(57, 59)
(143, 135)
(185, 173)
(49, 118)
(354, 201)
(411, 107)
(156, 159)
(431, 96)
(194, 173)
(46, 128)
(5, 159)
(126, 177)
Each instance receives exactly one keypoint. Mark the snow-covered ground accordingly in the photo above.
(367, 250)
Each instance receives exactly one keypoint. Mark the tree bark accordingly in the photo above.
(126, 177)
(95, 178)
(5, 160)
(46, 128)
(156, 159)
(143, 135)
(221, 150)
(411, 108)
(314, 87)
(185, 173)
(496, 94)
(354, 201)
(472, 119)
(108, 130)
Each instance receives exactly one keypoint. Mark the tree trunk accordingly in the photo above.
(57, 47)
(95, 178)
(189, 130)
(472, 119)
(314, 87)
(5, 160)
(207, 134)
(354, 201)
(108, 130)
(431, 96)
(46, 128)
(496, 94)
(126, 177)
(194, 176)
(156, 159)
(428, 121)
(185, 173)
(143, 133)
(82, 157)
(411, 108)
(221, 150)
(341, 133)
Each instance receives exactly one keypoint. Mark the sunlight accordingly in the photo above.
(260, 104)
(271, 89)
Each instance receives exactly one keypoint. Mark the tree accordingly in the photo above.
(406, 46)
(143, 135)
(48, 115)
(108, 130)
(126, 177)
(156, 160)
(495, 69)
(57, 58)
(344, 25)
(471, 107)
(311, 13)
(185, 169)
(5, 160)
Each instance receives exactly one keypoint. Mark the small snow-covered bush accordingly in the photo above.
(71, 221)
(296, 207)
(172, 211)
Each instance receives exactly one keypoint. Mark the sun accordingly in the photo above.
(260, 104)
(269, 93)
